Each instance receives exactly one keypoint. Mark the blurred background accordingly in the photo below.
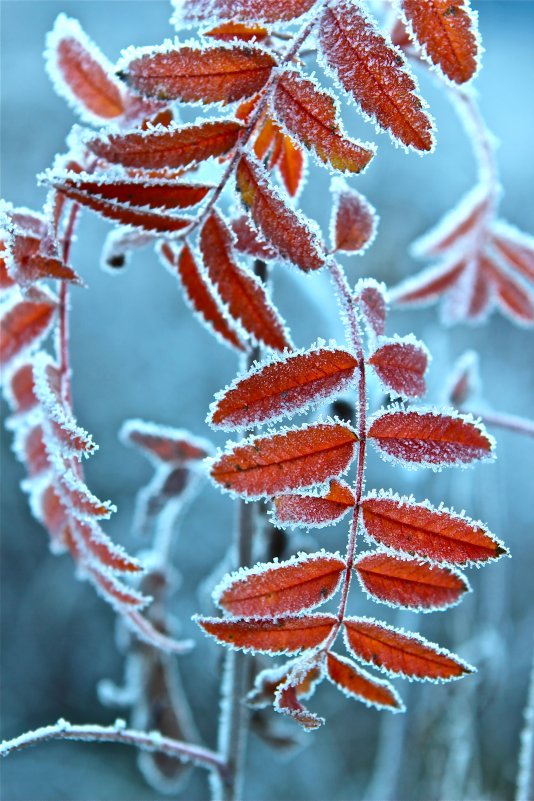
(138, 352)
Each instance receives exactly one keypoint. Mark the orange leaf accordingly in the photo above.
(99, 546)
(283, 387)
(312, 114)
(290, 234)
(262, 10)
(409, 583)
(374, 73)
(237, 30)
(23, 325)
(201, 294)
(514, 298)
(314, 511)
(21, 391)
(31, 264)
(297, 458)
(164, 444)
(430, 439)
(159, 193)
(277, 588)
(429, 284)
(357, 683)
(224, 73)
(167, 147)
(397, 653)
(448, 35)
(242, 292)
(515, 246)
(401, 364)
(291, 164)
(281, 635)
(32, 450)
(354, 220)
(248, 240)
(268, 680)
(81, 74)
(287, 702)
(438, 534)
(372, 300)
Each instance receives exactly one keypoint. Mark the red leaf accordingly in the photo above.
(401, 364)
(24, 325)
(448, 35)
(429, 284)
(409, 583)
(33, 450)
(438, 534)
(277, 588)
(265, 139)
(283, 387)
(471, 296)
(312, 115)
(314, 511)
(281, 635)
(167, 147)
(30, 264)
(201, 294)
(75, 494)
(430, 439)
(6, 281)
(224, 73)
(114, 591)
(464, 380)
(261, 10)
(248, 240)
(228, 31)
(21, 392)
(292, 166)
(374, 73)
(371, 298)
(514, 298)
(357, 683)
(101, 548)
(515, 246)
(354, 220)
(287, 702)
(81, 74)
(268, 680)
(54, 516)
(290, 234)
(122, 212)
(299, 457)
(402, 654)
(164, 444)
(242, 292)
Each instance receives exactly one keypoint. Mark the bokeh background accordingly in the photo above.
(137, 352)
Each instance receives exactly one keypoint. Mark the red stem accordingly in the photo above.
(63, 334)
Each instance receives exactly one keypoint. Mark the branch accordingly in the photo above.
(146, 741)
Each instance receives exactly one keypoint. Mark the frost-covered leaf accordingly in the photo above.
(284, 386)
(312, 115)
(447, 32)
(401, 364)
(75, 494)
(222, 73)
(24, 324)
(286, 634)
(316, 510)
(430, 438)
(260, 10)
(288, 231)
(470, 298)
(248, 240)
(201, 294)
(429, 284)
(29, 262)
(357, 683)
(371, 298)
(291, 166)
(374, 72)
(228, 31)
(164, 444)
(268, 680)
(167, 147)
(30, 449)
(419, 528)
(354, 221)
(6, 281)
(515, 246)
(278, 588)
(399, 653)
(93, 539)
(19, 389)
(409, 583)
(514, 298)
(81, 74)
(464, 381)
(288, 703)
(243, 293)
(293, 459)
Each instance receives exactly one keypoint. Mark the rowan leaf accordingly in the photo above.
(374, 73)
(98, 545)
(243, 293)
(255, 10)
(357, 683)
(401, 364)
(464, 380)
(293, 459)
(29, 261)
(277, 588)
(371, 298)
(287, 701)
(426, 287)
(470, 298)
(23, 324)
(354, 221)
(282, 387)
(281, 635)
(515, 246)
(399, 653)
(314, 511)
(247, 239)
(420, 529)
(222, 73)
(291, 165)
(19, 389)
(430, 438)
(201, 294)
(30, 449)
(170, 147)
(409, 583)
(81, 74)
(163, 444)
(312, 115)
(514, 298)
(268, 680)
(292, 235)
(448, 35)
(228, 31)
